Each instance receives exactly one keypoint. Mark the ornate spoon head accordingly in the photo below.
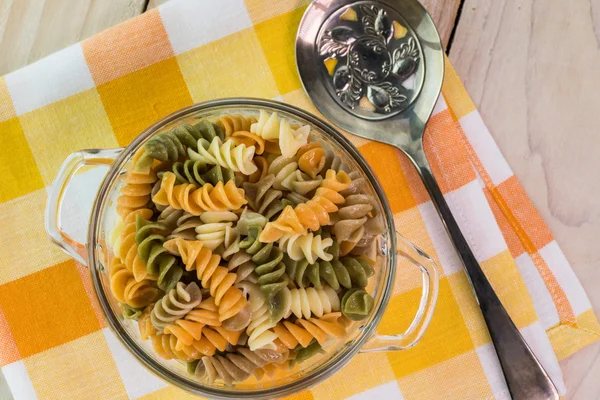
(373, 68)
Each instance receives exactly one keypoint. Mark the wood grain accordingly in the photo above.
(443, 13)
(532, 71)
(32, 29)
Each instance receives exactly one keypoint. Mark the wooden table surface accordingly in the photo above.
(531, 68)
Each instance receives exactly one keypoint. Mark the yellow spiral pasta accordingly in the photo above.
(231, 123)
(217, 279)
(267, 126)
(310, 215)
(303, 331)
(311, 247)
(129, 291)
(271, 127)
(290, 139)
(307, 302)
(260, 334)
(196, 200)
(237, 158)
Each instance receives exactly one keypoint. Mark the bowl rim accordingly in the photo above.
(335, 363)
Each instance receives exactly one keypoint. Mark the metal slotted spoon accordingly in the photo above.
(375, 68)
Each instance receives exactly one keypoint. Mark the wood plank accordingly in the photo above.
(533, 73)
(32, 29)
(443, 13)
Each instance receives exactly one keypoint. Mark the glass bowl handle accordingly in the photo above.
(54, 205)
(429, 294)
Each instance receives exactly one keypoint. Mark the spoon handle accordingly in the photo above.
(525, 376)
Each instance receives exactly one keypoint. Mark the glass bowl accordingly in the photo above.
(361, 337)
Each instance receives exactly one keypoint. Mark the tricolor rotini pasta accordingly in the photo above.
(310, 215)
(129, 291)
(271, 127)
(135, 194)
(197, 200)
(216, 278)
(236, 157)
(232, 123)
(242, 246)
(303, 331)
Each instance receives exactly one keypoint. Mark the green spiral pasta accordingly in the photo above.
(350, 272)
(357, 304)
(304, 353)
(169, 146)
(269, 269)
(151, 251)
(346, 272)
(131, 312)
(199, 173)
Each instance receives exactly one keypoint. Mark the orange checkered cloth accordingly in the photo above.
(104, 91)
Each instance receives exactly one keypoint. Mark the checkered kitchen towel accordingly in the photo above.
(102, 92)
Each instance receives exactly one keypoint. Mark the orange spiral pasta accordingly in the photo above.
(249, 139)
(169, 347)
(261, 172)
(147, 330)
(303, 331)
(310, 215)
(195, 200)
(311, 158)
(127, 248)
(202, 323)
(231, 123)
(189, 333)
(189, 341)
(206, 313)
(217, 279)
(136, 192)
(129, 291)
(272, 146)
(337, 181)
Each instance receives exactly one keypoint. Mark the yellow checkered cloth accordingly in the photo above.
(104, 91)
